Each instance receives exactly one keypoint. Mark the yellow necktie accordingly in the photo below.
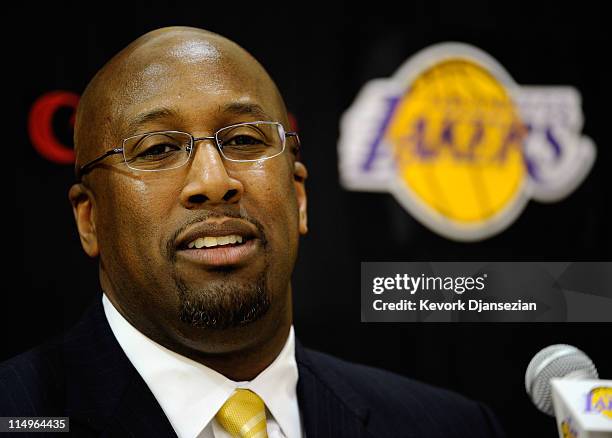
(243, 415)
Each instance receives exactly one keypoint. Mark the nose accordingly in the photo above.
(208, 182)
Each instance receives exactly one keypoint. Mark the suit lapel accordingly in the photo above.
(139, 414)
(105, 395)
(328, 407)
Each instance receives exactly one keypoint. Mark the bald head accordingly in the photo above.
(154, 64)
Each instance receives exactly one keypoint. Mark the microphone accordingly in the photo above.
(562, 381)
(561, 361)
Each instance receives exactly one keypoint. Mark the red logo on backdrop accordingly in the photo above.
(40, 125)
(292, 122)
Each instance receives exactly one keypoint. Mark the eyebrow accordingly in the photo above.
(160, 113)
(151, 116)
(244, 109)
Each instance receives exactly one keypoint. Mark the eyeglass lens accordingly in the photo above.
(167, 150)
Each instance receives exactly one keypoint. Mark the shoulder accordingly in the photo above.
(395, 401)
(37, 382)
(379, 384)
(31, 383)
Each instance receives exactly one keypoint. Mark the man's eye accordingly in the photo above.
(159, 149)
(242, 140)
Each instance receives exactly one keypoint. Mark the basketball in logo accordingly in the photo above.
(600, 400)
(457, 138)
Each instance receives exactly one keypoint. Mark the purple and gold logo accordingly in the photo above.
(600, 400)
(460, 145)
(567, 430)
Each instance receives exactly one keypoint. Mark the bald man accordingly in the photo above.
(191, 195)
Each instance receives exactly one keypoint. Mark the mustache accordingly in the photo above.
(218, 213)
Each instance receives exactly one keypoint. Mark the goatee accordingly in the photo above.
(224, 304)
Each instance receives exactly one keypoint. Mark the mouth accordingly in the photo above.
(229, 243)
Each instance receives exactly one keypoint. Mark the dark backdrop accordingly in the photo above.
(320, 55)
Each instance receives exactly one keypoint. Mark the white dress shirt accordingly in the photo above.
(190, 393)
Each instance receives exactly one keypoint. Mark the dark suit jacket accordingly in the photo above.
(86, 376)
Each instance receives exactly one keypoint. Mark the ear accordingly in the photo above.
(82, 206)
(299, 176)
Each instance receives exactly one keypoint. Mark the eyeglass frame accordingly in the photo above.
(86, 168)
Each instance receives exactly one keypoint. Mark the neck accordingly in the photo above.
(245, 364)
(258, 346)
(239, 354)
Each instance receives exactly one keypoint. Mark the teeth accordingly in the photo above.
(210, 241)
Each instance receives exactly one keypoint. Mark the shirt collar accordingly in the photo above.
(190, 394)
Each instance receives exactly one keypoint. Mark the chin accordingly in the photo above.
(223, 304)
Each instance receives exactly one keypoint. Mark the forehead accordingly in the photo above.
(196, 79)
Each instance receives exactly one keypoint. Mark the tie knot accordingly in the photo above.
(243, 415)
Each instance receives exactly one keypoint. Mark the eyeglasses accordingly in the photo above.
(165, 150)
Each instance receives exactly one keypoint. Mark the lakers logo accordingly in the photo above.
(567, 431)
(600, 400)
(460, 145)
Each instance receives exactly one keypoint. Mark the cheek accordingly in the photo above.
(131, 229)
(269, 197)
(271, 186)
